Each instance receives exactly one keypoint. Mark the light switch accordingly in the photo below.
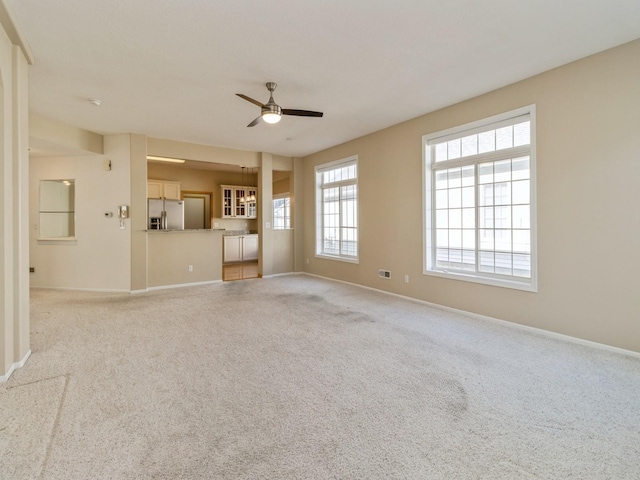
(267, 225)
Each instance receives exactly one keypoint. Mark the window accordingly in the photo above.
(281, 212)
(480, 208)
(337, 210)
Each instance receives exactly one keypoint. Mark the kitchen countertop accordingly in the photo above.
(239, 232)
(189, 230)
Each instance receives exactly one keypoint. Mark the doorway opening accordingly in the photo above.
(197, 210)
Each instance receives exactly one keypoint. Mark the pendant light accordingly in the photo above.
(252, 197)
(242, 199)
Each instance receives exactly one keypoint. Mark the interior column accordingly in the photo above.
(265, 215)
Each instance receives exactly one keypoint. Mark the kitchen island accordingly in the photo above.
(184, 257)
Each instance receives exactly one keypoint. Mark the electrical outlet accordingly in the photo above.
(307, 261)
(191, 268)
(406, 279)
(216, 224)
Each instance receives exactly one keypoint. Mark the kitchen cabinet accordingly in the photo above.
(233, 205)
(163, 189)
(240, 248)
(250, 248)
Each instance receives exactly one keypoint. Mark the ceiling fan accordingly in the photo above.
(271, 112)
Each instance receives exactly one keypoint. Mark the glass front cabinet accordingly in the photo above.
(239, 201)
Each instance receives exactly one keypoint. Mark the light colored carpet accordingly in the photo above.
(297, 377)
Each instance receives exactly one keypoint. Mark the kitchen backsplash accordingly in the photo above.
(241, 225)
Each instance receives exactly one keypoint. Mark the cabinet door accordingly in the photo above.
(227, 202)
(250, 247)
(232, 249)
(252, 210)
(240, 205)
(172, 190)
(154, 189)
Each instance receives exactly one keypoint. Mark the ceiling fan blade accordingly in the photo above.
(301, 113)
(249, 99)
(255, 122)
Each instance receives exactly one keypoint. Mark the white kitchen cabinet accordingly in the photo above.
(239, 248)
(233, 205)
(232, 248)
(252, 210)
(163, 189)
(250, 248)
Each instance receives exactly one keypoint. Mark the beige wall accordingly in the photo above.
(45, 133)
(14, 200)
(138, 179)
(282, 182)
(171, 253)
(588, 193)
(101, 256)
(283, 251)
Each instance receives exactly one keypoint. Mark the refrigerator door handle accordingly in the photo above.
(164, 220)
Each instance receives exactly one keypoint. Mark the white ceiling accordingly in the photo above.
(170, 69)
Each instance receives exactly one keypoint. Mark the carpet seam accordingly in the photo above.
(56, 426)
(35, 381)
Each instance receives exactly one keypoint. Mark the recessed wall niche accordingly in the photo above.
(57, 208)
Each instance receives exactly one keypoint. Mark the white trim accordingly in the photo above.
(182, 285)
(506, 323)
(57, 241)
(338, 258)
(325, 167)
(468, 128)
(77, 289)
(318, 170)
(491, 281)
(14, 366)
(512, 282)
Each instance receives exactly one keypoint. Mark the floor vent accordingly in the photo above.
(384, 273)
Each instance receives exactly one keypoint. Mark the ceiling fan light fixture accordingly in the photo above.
(271, 113)
(271, 117)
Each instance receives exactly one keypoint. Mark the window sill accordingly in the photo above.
(58, 241)
(339, 259)
(494, 282)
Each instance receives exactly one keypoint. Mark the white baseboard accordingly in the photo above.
(273, 275)
(13, 367)
(79, 289)
(182, 285)
(519, 326)
(137, 292)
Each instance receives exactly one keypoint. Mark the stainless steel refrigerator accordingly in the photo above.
(166, 214)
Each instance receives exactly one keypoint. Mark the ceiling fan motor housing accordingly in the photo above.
(271, 108)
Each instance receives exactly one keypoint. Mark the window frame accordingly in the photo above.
(287, 208)
(428, 192)
(319, 225)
